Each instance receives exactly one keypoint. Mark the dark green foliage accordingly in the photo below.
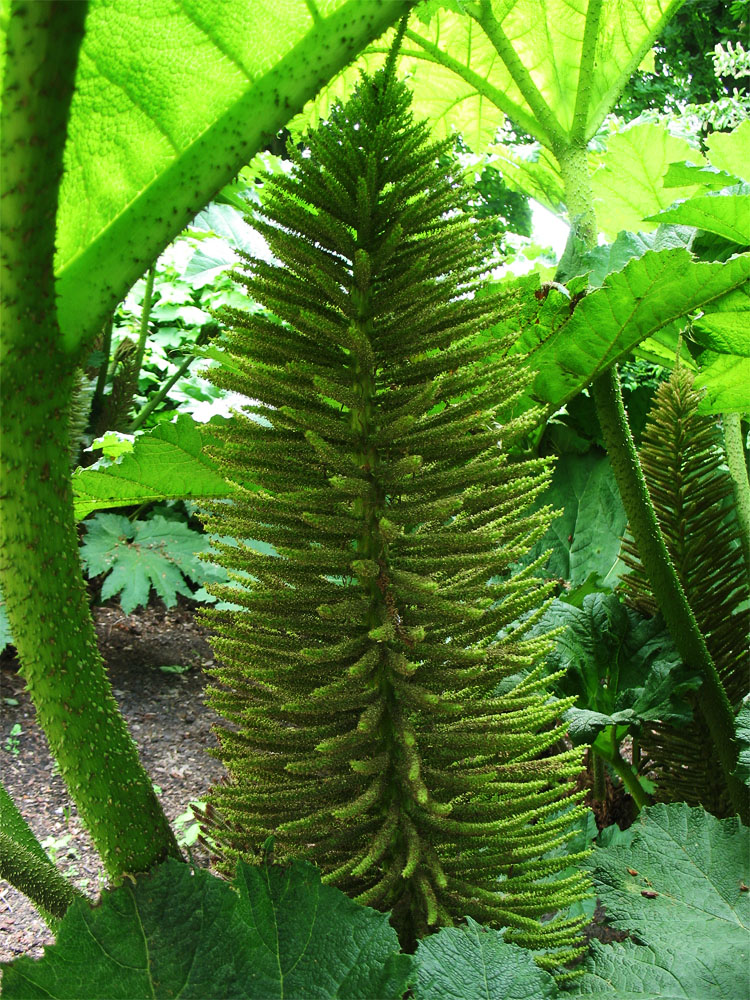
(359, 682)
(181, 932)
(683, 64)
(683, 463)
(674, 882)
(621, 666)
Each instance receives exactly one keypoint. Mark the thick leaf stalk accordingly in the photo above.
(42, 583)
(25, 865)
(737, 464)
(47, 889)
(361, 681)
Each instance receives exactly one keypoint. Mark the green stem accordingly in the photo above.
(15, 826)
(637, 755)
(48, 890)
(599, 784)
(101, 380)
(586, 72)
(738, 471)
(625, 772)
(42, 583)
(24, 863)
(157, 397)
(579, 195)
(145, 316)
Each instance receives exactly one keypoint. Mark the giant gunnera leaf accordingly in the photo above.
(675, 881)
(181, 932)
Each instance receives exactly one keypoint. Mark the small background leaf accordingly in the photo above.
(137, 555)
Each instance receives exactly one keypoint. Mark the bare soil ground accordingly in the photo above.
(167, 718)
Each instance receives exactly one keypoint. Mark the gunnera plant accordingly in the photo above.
(685, 469)
(361, 678)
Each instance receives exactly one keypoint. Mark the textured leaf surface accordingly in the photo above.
(725, 325)
(726, 379)
(585, 538)
(461, 83)
(728, 215)
(166, 464)
(180, 94)
(137, 555)
(687, 174)
(693, 938)
(628, 184)
(602, 260)
(475, 963)
(650, 292)
(183, 932)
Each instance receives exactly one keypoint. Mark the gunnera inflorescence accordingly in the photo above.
(389, 719)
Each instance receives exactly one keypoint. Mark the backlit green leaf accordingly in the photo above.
(176, 96)
(730, 151)
(726, 379)
(650, 293)
(628, 185)
(728, 215)
(555, 71)
(724, 326)
(687, 175)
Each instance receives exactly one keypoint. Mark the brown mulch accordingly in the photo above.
(167, 718)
